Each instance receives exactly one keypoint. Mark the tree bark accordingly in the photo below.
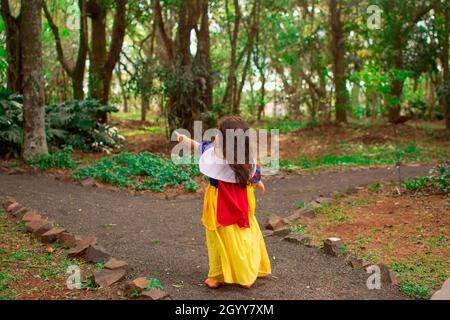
(445, 68)
(339, 64)
(13, 48)
(34, 139)
(102, 60)
(76, 72)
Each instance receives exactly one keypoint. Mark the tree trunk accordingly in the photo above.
(13, 48)
(445, 68)
(103, 61)
(145, 103)
(76, 73)
(122, 90)
(339, 64)
(34, 139)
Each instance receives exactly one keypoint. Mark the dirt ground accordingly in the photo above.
(164, 238)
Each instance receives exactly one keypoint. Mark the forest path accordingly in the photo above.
(165, 239)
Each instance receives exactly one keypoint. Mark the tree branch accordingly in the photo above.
(160, 23)
(118, 35)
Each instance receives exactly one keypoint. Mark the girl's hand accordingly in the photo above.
(260, 186)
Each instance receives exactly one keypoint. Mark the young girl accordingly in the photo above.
(236, 248)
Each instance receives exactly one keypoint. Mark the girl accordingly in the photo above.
(236, 248)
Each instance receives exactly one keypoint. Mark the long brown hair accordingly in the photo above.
(241, 170)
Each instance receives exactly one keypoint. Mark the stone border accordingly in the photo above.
(85, 247)
(333, 246)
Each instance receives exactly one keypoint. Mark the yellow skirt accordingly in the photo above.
(236, 255)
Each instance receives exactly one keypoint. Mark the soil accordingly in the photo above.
(164, 238)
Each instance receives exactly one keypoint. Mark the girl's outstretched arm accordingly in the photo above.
(260, 186)
(181, 138)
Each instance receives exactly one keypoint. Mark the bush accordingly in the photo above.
(11, 123)
(440, 176)
(58, 160)
(74, 123)
(144, 171)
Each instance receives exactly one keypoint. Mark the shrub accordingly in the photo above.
(440, 176)
(416, 184)
(11, 123)
(73, 123)
(143, 171)
(59, 160)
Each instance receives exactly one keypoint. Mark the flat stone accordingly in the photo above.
(19, 212)
(387, 275)
(82, 246)
(114, 264)
(325, 200)
(267, 233)
(275, 222)
(443, 293)
(333, 246)
(38, 227)
(281, 232)
(138, 284)
(89, 182)
(153, 294)
(356, 263)
(52, 235)
(301, 213)
(298, 239)
(95, 253)
(105, 277)
(31, 216)
(67, 239)
(13, 206)
(6, 203)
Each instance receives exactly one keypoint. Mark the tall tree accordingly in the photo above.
(187, 79)
(75, 72)
(12, 26)
(337, 48)
(34, 139)
(103, 59)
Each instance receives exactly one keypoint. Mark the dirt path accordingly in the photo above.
(165, 239)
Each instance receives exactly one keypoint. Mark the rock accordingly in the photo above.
(387, 276)
(6, 203)
(275, 222)
(443, 293)
(267, 233)
(38, 227)
(281, 232)
(104, 278)
(67, 239)
(303, 212)
(52, 235)
(138, 285)
(153, 294)
(13, 206)
(89, 182)
(356, 263)
(114, 264)
(298, 239)
(334, 246)
(324, 200)
(31, 216)
(314, 205)
(95, 253)
(81, 246)
(19, 212)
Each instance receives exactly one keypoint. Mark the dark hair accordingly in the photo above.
(242, 170)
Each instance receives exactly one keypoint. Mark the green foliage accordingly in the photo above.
(301, 204)
(298, 230)
(154, 283)
(416, 184)
(11, 123)
(143, 171)
(440, 176)
(416, 291)
(285, 126)
(59, 160)
(75, 123)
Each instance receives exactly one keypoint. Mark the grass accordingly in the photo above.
(408, 232)
(28, 271)
(143, 171)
